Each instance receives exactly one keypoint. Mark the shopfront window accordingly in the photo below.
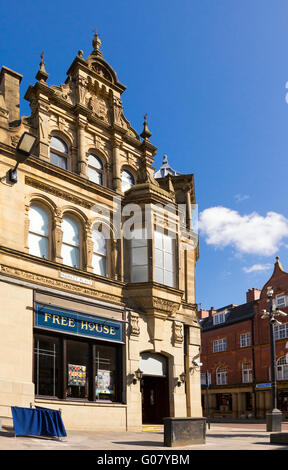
(46, 365)
(65, 368)
(77, 369)
(105, 373)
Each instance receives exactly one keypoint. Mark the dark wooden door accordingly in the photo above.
(155, 399)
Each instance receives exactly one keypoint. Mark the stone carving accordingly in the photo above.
(178, 332)
(65, 92)
(14, 140)
(167, 306)
(134, 324)
(118, 109)
(102, 71)
(98, 107)
(82, 89)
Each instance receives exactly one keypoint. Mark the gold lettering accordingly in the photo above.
(112, 330)
(84, 325)
(47, 316)
(71, 323)
(97, 328)
(56, 319)
(64, 321)
(91, 326)
(106, 330)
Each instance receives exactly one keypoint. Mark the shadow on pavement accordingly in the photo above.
(141, 443)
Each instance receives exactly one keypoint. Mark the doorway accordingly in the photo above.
(154, 388)
(155, 399)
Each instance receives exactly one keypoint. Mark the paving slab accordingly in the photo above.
(218, 437)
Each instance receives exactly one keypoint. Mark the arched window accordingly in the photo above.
(221, 375)
(127, 180)
(99, 252)
(58, 153)
(39, 231)
(71, 242)
(95, 169)
(282, 368)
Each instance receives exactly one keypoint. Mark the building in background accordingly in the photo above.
(235, 354)
(100, 325)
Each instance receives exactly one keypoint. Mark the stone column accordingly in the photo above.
(82, 160)
(116, 166)
(58, 236)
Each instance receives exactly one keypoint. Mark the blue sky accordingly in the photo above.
(211, 74)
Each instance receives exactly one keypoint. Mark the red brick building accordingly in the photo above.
(235, 353)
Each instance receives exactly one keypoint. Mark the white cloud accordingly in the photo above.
(248, 234)
(241, 197)
(257, 267)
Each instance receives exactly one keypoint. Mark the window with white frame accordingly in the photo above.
(70, 242)
(221, 375)
(204, 378)
(164, 259)
(281, 301)
(281, 331)
(282, 368)
(247, 372)
(219, 317)
(245, 340)
(95, 169)
(219, 345)
(38, 237)
(59, 152)
(139, 257)
(99, 252)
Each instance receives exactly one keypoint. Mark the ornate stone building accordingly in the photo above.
(84, 307)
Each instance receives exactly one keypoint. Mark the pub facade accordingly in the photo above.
(97, 258)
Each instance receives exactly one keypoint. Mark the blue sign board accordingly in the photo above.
(268, 385)
(80, 324)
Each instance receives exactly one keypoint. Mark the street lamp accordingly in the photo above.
(274, 417)
(24, 149)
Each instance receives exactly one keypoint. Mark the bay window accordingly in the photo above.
(139, 257)
(164, 259)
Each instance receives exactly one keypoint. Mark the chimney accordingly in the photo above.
(211, 312)
(202, 313)
(252, 294)
(9, 88)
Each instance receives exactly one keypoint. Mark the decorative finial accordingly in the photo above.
(277, 259)
(146, 134)
(96, 43)
(42, 75)
(80, 53)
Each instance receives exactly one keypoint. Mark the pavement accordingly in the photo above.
(220, 436)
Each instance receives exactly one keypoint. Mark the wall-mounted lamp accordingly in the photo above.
(183, 377)
(24, 149)
(137, 376)
(182, 380)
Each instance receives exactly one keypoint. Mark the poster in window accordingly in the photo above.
(104, 382)
(76, 375)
